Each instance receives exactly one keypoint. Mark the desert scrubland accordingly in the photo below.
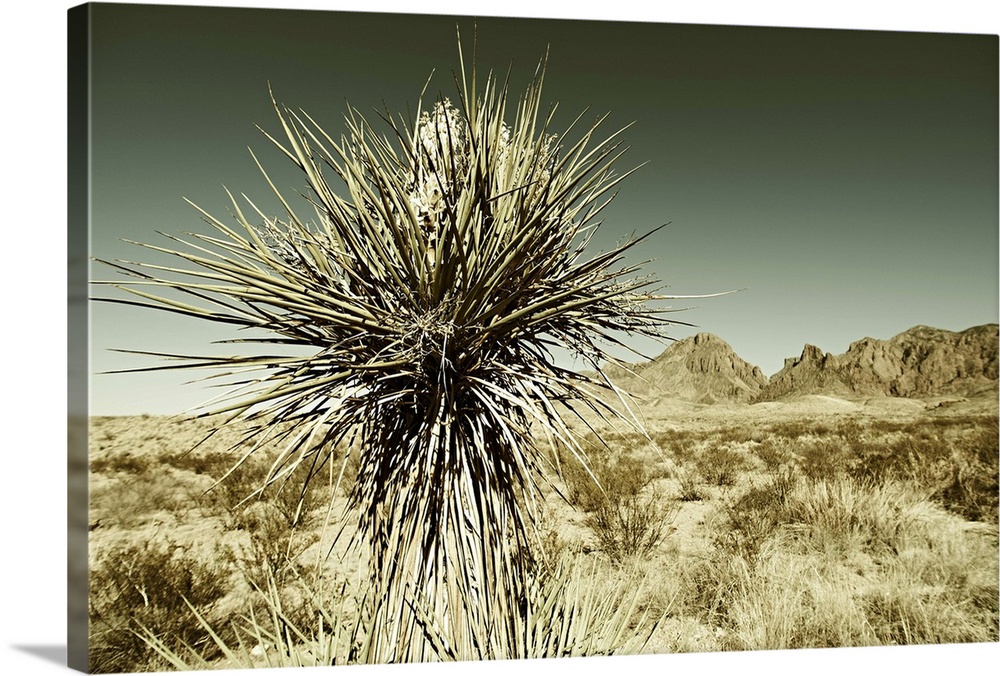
(810, 521)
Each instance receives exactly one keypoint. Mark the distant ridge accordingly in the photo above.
(920, 362)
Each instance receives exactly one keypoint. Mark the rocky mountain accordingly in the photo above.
(702, 368)
(922, 361)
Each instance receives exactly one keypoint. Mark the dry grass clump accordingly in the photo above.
(689, 485)
(824, 563)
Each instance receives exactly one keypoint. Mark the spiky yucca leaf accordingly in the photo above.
(448, 258)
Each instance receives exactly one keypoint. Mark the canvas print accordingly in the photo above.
(418, 338)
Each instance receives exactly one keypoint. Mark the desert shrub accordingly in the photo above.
(849, 427)
(901, 459)
(971, 489)
(682, 444)
(775, 456)
(274, 544)
(542, 559)
(142, 588)
(274, 537)
(293, 497)
(950, 422)
(128, 463)
(790, 429)
(822, 459)
(626, 518)
(690, 489)
(953, 459)
(755, 515)
(133, 500)
(607, 475)
(272, 565)
(213, 464)
(888, 427)
(877, 463)
(721, 465)
(731, 434)
(631, 525)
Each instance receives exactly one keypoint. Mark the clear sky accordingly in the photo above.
(846, 179)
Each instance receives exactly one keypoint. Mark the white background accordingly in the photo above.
(33, 598)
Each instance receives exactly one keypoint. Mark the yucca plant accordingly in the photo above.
(447, 259)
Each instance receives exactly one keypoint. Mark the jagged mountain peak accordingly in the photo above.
(702, 368)
(921, 361)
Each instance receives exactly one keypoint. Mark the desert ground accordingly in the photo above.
(815, 521)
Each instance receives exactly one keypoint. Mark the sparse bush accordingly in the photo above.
(822, 459)
(734, 435)
(972, 489)
(617, 475)
(752, 518)
(680, 443)
(626, 518)
(146, 587)
(293, 498)
(543, 558)
(631, 525)
(790, 429)
(690, 490)
(274, 544)
(721, 465)
(212, 464)
(135, 500)
(128, 463)
(953, 459)
(775, 456)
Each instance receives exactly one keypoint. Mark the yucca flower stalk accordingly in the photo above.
(447, 258)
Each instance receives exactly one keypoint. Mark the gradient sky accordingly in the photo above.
(846, 179)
